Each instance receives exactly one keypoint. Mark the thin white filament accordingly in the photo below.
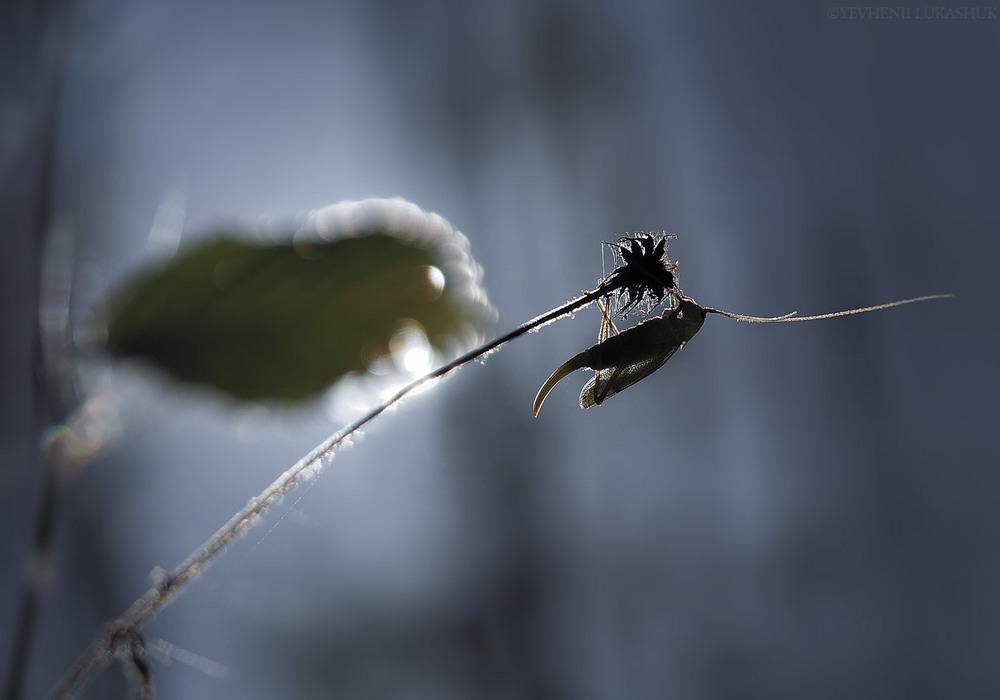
(789, 317)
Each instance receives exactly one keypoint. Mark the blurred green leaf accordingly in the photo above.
(284, 320)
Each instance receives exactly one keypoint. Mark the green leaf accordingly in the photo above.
(282, 320)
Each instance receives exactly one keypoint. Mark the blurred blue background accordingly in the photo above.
(803, 510)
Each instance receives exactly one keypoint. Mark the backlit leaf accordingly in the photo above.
(283, 318)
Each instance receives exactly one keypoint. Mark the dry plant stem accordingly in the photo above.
(790, 318)
(115, 638)
(53, 32)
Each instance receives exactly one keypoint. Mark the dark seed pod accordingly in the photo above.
(646, 272)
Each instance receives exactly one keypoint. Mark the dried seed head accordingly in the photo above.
(645, 272)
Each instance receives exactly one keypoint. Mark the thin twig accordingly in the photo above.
(53, 35)
(791, 317)
(114, 639)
